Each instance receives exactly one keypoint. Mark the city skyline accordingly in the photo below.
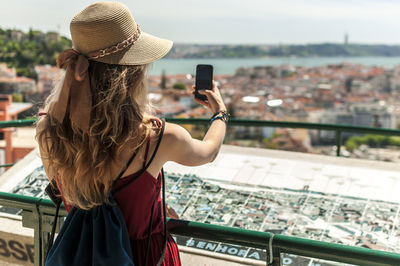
(231, 22)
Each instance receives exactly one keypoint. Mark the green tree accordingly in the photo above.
(179, 86)
(372, 141)
(32, 50)
(351, 145)
(30, 34)
(231, 110)
(163, 83)
(17, 98)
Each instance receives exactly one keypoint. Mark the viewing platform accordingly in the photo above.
(249, 206)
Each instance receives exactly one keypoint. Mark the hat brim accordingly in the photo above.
(145, 50)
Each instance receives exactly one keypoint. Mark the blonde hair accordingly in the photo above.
(81, 162)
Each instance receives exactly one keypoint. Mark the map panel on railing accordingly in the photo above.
(313, 199)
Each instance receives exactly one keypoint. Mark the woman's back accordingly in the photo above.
(138, 196)
(99, 115)
(135, 202)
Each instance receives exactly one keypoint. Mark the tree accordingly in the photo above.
(32, 50)
(179, 86)
(17, 98)
(163, 83)
(232, 110)
(30, 34)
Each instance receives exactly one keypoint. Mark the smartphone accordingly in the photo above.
(204, 78)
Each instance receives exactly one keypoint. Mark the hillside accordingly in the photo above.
(308, 50)
(25, 50)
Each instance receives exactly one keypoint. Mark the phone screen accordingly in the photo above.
(204, 77)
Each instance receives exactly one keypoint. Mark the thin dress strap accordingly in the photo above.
(126, 167)
(147, 151)
(148, 163)
(162, 125)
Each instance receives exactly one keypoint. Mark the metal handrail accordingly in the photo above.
(6, 165)
(262, 240)
(287, 124)
(34, 213)
(17, 123)
(283, 244)
(338, 129)
(250, 123)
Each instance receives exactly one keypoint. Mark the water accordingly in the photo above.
(229, 66)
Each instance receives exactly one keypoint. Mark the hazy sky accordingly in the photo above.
(230, 21)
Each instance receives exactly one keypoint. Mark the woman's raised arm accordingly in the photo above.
(180, 147)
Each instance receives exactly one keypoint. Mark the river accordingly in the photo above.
(229, 66)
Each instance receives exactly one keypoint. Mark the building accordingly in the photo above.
(52, 36)
(6, 72)
(372, 114)
(17, 35)
(15, 144)
(47, 77)
(10, 83)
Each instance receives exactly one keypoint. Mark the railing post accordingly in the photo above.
(277, 257)
(338, 142)
(37, 236)
(273, 253)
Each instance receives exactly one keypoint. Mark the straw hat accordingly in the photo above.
(106, 32)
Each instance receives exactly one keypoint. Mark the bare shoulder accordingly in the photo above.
(170, 144)
(180, 147)
(174, 134)
(173, 137)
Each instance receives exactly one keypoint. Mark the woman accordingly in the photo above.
(98, 117)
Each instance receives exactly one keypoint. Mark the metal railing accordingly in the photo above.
(39, 213)
(338, 129)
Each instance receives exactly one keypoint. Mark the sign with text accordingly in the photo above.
(16, 249)
(244, 252)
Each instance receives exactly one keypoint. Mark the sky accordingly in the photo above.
(230, 21)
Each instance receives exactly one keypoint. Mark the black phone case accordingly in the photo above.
(196, 93)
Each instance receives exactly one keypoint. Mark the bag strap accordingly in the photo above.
(165, 224)
(54, 194)
(53, 228)
(154, 201)
(165, 219)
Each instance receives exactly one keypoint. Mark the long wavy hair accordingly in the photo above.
(120, 118)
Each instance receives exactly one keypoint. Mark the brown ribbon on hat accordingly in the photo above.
(75, 91)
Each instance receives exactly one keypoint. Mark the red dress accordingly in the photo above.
(135, 202)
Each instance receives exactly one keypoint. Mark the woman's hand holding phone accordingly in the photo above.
(214, 99)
